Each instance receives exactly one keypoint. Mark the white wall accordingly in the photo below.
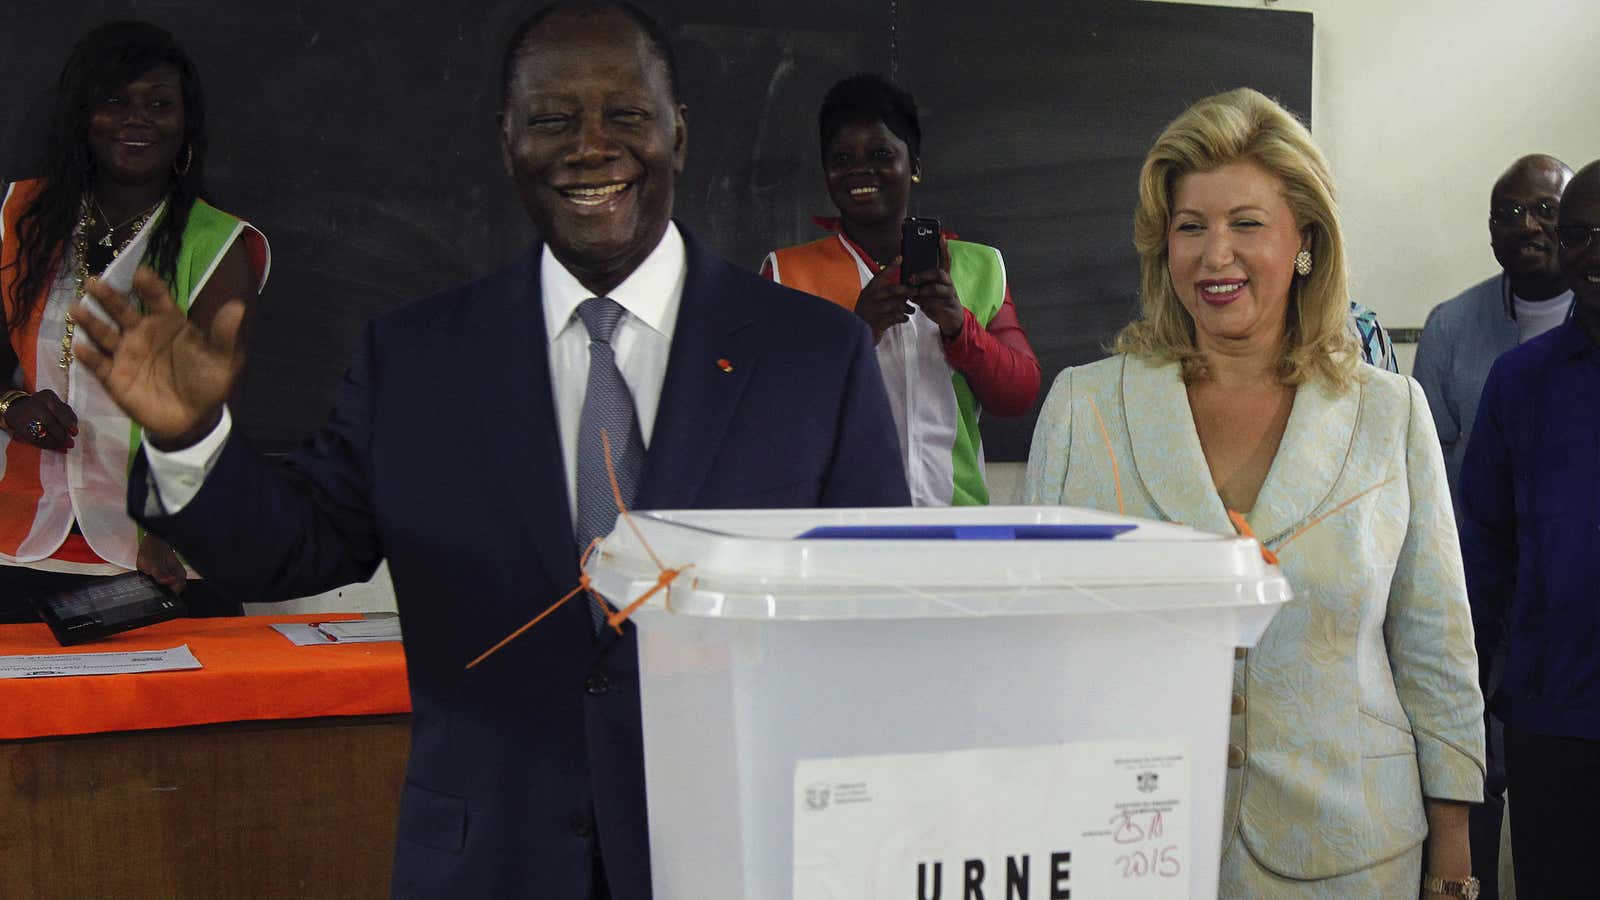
(1420, 105)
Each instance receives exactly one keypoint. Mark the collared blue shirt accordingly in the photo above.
(1530, 532)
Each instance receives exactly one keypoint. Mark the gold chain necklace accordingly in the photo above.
(80, 246)
(111, 229)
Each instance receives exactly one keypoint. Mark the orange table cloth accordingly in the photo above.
(250, 672)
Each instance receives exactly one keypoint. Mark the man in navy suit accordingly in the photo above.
(526, 772)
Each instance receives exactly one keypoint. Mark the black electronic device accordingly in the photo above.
(107, 606)
(919, 246)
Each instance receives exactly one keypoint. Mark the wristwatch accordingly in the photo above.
(1466, 888)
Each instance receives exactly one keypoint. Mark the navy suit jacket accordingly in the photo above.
(442, 455)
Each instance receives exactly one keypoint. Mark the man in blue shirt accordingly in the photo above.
(1461, 340)
(1530, 533)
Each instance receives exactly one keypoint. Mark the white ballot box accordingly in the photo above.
(1000, 702)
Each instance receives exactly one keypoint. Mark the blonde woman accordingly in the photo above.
(1236, 401)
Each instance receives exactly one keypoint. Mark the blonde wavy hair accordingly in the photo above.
(1244, 124)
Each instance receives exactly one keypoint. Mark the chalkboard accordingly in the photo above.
(361, 139)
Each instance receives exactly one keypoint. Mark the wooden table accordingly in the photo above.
(269, 804)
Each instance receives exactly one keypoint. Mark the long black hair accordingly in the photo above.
(106, 58)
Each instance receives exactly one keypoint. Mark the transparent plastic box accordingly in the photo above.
(772, 649)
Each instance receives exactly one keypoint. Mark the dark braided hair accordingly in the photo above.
(105, 59)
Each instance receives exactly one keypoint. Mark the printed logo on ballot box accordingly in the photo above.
(820, 794)
(1086, 819)
(817, 796)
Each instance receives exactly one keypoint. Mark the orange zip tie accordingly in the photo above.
(1116, 473)
(614, 618)
(583, 577)
(663, 580)
(616, 494)
(1319, 519)
(665, 577)
(583, 585)
(1244, 529)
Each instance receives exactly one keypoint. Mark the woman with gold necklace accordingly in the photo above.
(121, 187)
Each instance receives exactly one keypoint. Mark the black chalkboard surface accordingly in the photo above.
(360, 138)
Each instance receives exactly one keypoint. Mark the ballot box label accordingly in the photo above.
(1070, 821)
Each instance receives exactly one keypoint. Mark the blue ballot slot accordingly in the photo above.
(1078, 532)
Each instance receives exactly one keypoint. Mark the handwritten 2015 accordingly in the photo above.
(1148, 854)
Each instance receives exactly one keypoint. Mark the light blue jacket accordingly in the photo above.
(1461, 339)
(1362, 696)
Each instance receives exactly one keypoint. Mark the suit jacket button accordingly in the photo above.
(1237, 707)
(596, 685)
(582, 826)
(1236, 756)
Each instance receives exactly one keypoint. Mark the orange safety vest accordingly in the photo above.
(42, 492)
(935, 412)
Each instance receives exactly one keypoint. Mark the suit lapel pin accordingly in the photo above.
(724, 365)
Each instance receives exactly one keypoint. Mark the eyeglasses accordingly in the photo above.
(1543, 211)
(1576, 237)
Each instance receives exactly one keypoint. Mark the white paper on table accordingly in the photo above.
(386, 628)
(51, 665)
(369, 631)
(302, 634)
(1096, 818)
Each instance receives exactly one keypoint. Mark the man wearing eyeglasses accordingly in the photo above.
(1461, 340)
(1528, 297)
(1530, 537)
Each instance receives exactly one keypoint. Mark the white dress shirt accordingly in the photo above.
(650, 297)
(641, 343)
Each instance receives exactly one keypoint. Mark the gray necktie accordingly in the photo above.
(606, 405)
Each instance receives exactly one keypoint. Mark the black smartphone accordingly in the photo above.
(919, 246)
(107, 606)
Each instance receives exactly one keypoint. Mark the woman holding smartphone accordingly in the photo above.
(949, 342)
